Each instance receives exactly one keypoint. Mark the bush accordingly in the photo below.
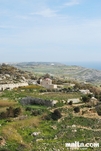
(85, 98)
(42, 90)
(56, 115)
(70, 103)
(17, 111)
(77, 109)
(10, 112)
(98, 110)
(47, 117)
(28, 108)
(36, 112)
(3, 115)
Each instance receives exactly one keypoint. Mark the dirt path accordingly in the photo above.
(88, 128)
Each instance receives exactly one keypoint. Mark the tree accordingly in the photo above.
(17, 111)
(46, 75)
(85, 98)
(10, 112)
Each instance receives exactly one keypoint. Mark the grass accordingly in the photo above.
(33, 91)
(87, 122)
(17, 133)
(37, 107)
(7, 103)
(4, 104)
(60, 96)
(11, 134)
(30, 87)
(27, 122)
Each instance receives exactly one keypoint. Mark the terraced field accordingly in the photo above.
(35, 130)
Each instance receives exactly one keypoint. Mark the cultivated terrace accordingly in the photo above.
(34, 118)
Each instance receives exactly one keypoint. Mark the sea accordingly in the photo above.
(90, 65)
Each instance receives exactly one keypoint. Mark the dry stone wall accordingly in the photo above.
(11, 86)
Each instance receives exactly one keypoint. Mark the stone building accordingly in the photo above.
(47, 83)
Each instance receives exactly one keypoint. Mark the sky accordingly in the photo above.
(50, 30)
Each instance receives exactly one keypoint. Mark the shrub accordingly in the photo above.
(56, 115)
(47, 117)
(70, 103)
(10, 112)
(42, 90)
(98, 109)
(36, 112)
(17, 111)
(3, 115)
(77, 109)
(28, 108)
(85, 98)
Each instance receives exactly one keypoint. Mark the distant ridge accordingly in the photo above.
(62, 70)
(89, 65)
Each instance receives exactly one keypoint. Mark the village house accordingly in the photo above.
(47, 83)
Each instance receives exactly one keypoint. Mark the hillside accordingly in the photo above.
(38, 127)
(10, 74)
(33, 118)
(64, 71)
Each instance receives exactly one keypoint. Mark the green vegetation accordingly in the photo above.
(36, 127)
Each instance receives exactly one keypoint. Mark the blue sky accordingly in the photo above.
(50, 30)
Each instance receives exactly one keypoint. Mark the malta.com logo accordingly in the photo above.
(78, 145)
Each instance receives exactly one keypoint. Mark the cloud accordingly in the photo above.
(46, 13)
(72, 2)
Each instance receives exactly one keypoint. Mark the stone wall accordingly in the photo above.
(11, 86)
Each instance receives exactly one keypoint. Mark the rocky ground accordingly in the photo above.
(10, 74)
